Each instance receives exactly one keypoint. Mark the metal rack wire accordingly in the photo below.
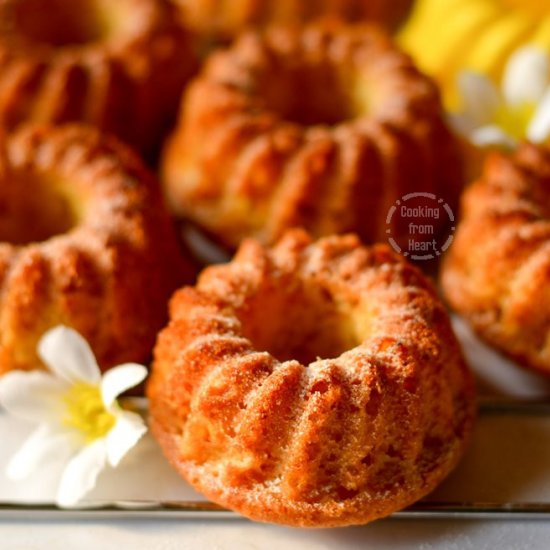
(425, 509)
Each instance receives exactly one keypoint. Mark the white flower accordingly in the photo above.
(521, 110)
(76, 409)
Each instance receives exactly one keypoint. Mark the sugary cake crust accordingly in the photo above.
(251, 158)
(311, 442)
(497, 271)
(110, 274)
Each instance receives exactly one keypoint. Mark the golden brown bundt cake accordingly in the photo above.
(85, 241)
(497, 272)
(219, 19)
(312, 384)
(119, 65)
(323, 128)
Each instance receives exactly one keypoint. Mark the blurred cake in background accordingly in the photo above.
(497, 270)
(323, 127)
(120, 66)
(222, 19)
(85, 242)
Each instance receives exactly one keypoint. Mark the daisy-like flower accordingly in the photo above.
(519, 110)
(79, 418)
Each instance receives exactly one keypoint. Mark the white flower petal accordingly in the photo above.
(80, 475)
(120, 379)
(43, 444)
(539, 128)
(33, 396)
(127, 431)
(527, 76)
(462, 124)
(480, 97)
(492, 135)
(69, 356)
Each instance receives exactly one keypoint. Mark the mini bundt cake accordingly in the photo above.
(497, 271)
(85, 241)
(323, 128)
(118, 65)
(311, 384)
(217, 19)
(447, 36)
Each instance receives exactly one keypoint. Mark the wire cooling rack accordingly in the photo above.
(426, 509)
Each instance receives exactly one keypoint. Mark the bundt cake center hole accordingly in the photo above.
(303, 322)
(60, 23)
(34, 209)
(311, 95)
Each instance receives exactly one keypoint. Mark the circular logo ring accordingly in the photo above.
(427, 229)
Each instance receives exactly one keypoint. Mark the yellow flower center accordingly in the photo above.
(86, 413)
(515, 119)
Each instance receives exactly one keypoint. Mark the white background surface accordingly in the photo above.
(509, 462)
(243, 535)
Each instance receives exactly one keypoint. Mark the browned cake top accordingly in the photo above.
(322, 127)
(498, 270)
(311, 384)
(85, 241)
